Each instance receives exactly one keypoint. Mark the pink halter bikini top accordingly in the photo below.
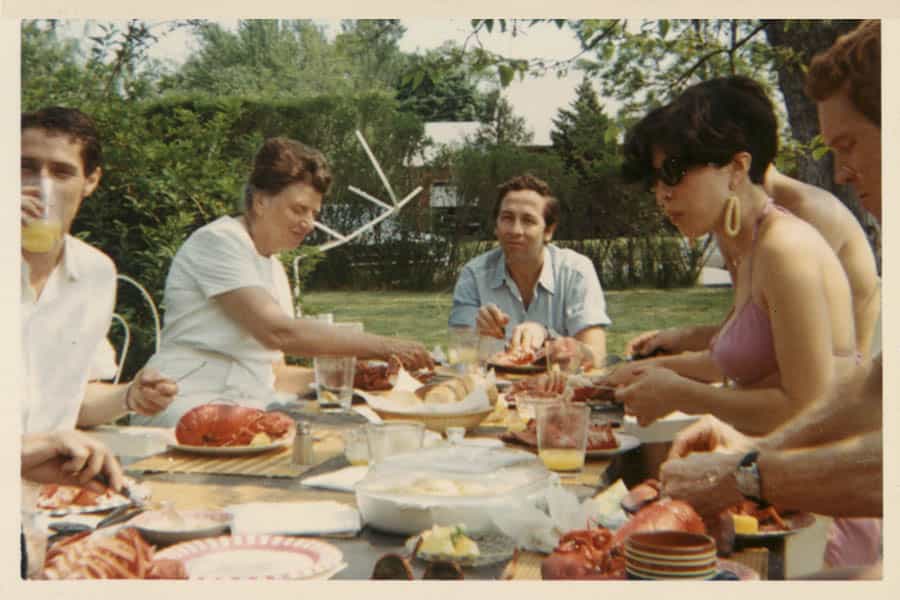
(744, 349)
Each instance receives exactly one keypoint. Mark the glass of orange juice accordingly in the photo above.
(42, 234)
(562, 430)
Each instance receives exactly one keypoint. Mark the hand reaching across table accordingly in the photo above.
(708, 434)
(648, 396)
(69, 458)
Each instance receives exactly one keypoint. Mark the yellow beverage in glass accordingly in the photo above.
(562, 435)
(562, 459)
(41, 236)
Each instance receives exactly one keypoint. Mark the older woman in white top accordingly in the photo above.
(229, 317)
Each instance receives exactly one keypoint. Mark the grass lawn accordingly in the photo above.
(423, 316)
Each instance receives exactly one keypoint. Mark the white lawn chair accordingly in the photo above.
(151, 304)
(122, 352)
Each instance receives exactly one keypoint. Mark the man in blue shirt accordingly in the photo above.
(527, 290)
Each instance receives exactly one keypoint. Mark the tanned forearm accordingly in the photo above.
(849, 409)
(842, 479)
(695, 338)
(698, 366)
(103, 403)
(756, 411)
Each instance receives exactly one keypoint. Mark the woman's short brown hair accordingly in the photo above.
(854, 62)
(529, 182)
(281, 162)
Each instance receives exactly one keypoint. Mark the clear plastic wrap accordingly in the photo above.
(445, 486)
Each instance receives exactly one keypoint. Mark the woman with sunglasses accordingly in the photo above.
(790, 332)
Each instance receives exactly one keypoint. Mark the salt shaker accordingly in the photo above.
(303, 445)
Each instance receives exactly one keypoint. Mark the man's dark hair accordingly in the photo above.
(529, 182)
(74, 124)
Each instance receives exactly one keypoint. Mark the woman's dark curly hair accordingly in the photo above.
(709, 123)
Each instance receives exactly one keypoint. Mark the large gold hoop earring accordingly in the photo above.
(732, 215)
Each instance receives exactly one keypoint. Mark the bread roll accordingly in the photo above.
(439, 394)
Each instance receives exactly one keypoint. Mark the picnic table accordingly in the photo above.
(192, 482)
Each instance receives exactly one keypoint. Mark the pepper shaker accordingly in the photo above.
(303, 445)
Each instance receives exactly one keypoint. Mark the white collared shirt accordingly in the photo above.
(208, 352)
(62, 331)
(567, 296)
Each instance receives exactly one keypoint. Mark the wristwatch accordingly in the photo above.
(747, 477)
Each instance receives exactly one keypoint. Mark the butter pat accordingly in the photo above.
(745, 524)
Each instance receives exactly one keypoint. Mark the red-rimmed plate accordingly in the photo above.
(256, 557)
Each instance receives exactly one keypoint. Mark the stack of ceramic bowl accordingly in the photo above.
(670, 555)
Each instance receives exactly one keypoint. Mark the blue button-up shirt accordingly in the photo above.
(567, 297)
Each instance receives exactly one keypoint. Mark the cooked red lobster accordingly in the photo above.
(517, 357)
(229, 425)
(374, 376)
(96, 555)
(378, 376)
(598, 553)
(63, 496)
(583, 389)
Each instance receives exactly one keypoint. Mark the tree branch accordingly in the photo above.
(703, 59)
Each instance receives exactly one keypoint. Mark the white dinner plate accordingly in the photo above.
(231, 450)
(256, 557)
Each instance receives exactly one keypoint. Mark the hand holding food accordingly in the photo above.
(653, 343)
(706, 435)
(528, 335)
(570, 354)
(150, 392)
(69, 457)
(705, 480)
(412, 355)
(491, 321)
(646, 397)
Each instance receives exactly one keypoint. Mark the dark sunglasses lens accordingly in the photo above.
(672, 171)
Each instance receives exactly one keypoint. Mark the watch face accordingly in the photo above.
(747, 478)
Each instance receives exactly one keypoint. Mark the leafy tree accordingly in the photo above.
(645, 63)
(371, 47)
(263, 58)
(500, 126)
(585, 140)
(434, 88)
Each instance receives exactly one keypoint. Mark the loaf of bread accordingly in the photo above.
(456, 390)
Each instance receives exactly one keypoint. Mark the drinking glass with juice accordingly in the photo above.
(42, 234)
(562, 435)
